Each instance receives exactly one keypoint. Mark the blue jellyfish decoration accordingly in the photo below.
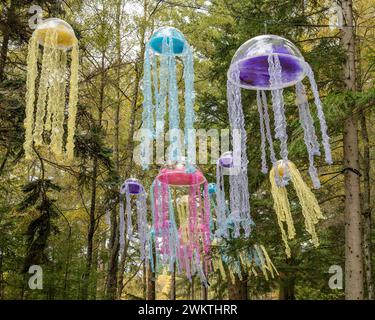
(272, 63)
(160, 92)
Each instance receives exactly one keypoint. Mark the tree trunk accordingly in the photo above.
(173, 283)
(353, 228)
(67, 270)
(237, 290)
(151, 281)
(90, 232)
(1, 277)
(4, 54)
(114, 245)
(144, 282)
(94, 267)
(6, 38)
(192, 288)
(130, 143)
(204, 292)
(367, 210)
(95, 168)
(287, 287)
(204, 289)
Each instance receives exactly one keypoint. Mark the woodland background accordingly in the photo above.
(53, 214)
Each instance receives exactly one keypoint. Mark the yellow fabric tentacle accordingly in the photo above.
(310, 207)
(282, 210)
(182, 210)
(57, 131)
(32, 68)
(50, 40)
(73, 99)
(271, 266)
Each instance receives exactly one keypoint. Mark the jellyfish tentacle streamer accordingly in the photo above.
(319, 106)
(278, 109)
(239, 194)
(311, 140)
(268, 127)
(73, 99)
(30, 95)
(262, 132)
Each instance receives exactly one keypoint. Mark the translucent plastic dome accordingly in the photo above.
(178, 175)
(179, 41)
(133, 186)
(212, 188)
(251, 59)
(226, 159)
(65, 33)
(282, 168)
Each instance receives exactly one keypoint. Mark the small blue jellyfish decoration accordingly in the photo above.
(160, 91)
(133, 188)
(272, 63)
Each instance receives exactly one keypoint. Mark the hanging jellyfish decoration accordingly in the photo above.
(181, 220)
(133, 188)
(249, 261)
(160, 91)
(230, 219)
(309, 205)
(272, 63)
(45, 110)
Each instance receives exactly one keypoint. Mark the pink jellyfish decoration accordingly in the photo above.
(181, 220)
(272, 63)
(132, 188)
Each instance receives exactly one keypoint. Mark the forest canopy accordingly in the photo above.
(63, 214)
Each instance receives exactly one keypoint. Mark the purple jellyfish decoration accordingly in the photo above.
(272, 63)
(132, 187)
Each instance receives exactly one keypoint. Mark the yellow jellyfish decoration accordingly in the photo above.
(45, 110)
(309, 205)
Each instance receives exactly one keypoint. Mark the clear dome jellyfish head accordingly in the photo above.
(309, 205)
(236, 215)
(272, 63)
(45, 92)
(132, 188)
(181, 220)
(166, 47)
